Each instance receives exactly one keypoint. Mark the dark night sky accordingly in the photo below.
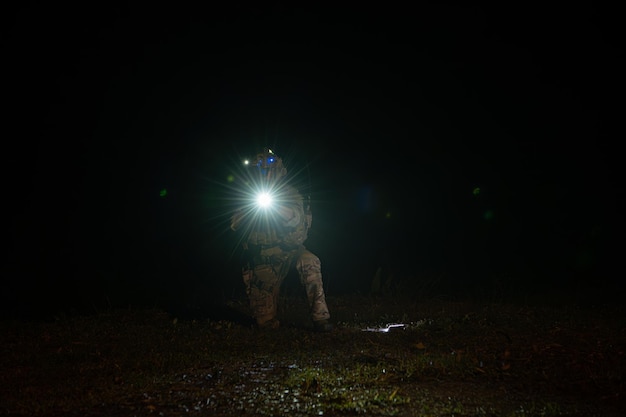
(391, 118)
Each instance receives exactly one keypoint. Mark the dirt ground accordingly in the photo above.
(442, 358)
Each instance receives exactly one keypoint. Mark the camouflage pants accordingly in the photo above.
(263, 284)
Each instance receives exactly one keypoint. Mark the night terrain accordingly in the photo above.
(451, 358)
(464, 170)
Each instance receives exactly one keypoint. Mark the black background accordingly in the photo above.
(389, 117)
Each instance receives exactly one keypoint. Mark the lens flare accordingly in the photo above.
(236, 186)
(264, 199)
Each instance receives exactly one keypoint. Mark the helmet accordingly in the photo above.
(268, 165)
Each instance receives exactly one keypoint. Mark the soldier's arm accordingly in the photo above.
(292, 208)
(290, 214)
(236, 220)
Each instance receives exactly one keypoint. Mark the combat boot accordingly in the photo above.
(271, 324)
(323, 326)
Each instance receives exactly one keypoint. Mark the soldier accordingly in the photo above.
(274, 230)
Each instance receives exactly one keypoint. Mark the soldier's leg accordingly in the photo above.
(263, 295)
(310, 271)
(247, 274)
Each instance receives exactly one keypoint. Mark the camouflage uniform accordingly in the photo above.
(273, 245)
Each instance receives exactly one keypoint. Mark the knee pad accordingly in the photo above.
(309, 268)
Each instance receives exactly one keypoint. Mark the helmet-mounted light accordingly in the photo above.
(267, 165)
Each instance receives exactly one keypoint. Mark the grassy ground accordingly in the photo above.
(450, 359)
